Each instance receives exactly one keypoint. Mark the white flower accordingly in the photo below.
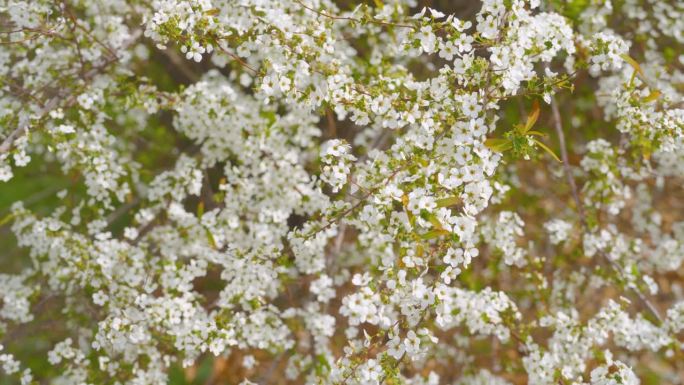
(558, 230)
(427, 38)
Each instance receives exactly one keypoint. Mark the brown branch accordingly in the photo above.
(180, 64)
(88, 33)
(558, 125)
(238, 59)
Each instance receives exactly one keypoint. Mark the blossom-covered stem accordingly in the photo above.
(55, 101)
(238, 59)
(334, 17)
(361, 201)
(78, 25)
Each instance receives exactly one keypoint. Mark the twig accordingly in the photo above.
(238, 59)
(180, 64)
(53, 103)
(121, 210)
(266, 377)
(558, 125)
(334, 17)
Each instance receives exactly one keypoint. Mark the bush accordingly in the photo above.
(323, 192)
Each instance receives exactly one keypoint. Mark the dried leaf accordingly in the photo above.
(532, 117)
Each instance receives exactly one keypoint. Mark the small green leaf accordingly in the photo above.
(177, 376)
(654, 95)
(498, 145)
(210, 238)
(450, 201)
(542, 145)
(432, 234)
(6, 219)
(432, 218)
(633, 63)
(537, 133)
(204, 371)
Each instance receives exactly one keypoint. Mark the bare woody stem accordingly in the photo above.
(558, 125)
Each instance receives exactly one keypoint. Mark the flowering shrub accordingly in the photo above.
(313, 191)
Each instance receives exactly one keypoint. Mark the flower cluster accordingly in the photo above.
(336, 158)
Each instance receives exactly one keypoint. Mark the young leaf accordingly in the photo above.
(654, 95)
(200, 209)
(432, 218)
(498, 145)
(532, 117)
(7, 218)
(542, 145)
(432, 234)
(446, 202)
(210, 238)
(633, 63)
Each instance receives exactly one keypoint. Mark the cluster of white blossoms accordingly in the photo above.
(323, 192)
(606, 50)
(336, 162)
(558, 229)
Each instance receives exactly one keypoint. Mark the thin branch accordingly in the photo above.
(55, 101)
(121, 211)
(180, 64)
(558, 125)
(88, 33)
(238, 59)
(334, 17)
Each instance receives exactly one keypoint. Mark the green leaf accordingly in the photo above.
(633, 63)
(432, 218)
(210, 238)
(450, 201)
(204, 371)
(6, 219)
(654, 95)
(432, 234)
(323, 365)
(542, 145)
(498, 145)
(177, 376)
(537, 133)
